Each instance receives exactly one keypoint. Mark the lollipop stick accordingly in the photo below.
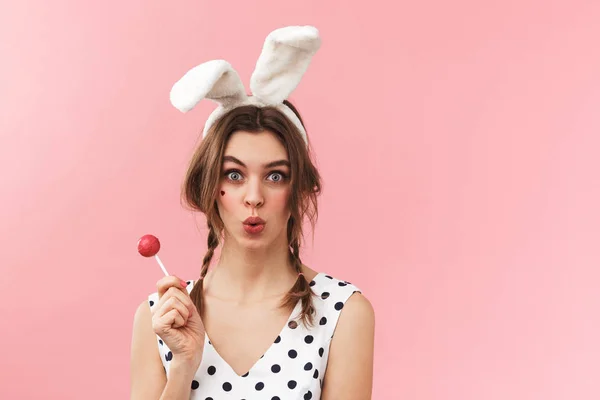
(161, 265)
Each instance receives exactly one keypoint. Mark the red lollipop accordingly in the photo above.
(148, 246)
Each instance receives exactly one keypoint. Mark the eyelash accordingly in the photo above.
(284, 176)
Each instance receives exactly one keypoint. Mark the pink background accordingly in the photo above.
(463, 134)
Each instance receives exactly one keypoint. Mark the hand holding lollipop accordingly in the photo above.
(175, 318)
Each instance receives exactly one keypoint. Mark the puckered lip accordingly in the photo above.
(253, 221)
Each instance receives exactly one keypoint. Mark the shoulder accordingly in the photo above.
(142, 312)
(334, 291)
(358, 306)
(328, 281)
(357, 309)
(142, 318)
(358, 315)
(336, 298)
(349, 373)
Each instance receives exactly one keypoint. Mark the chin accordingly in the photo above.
(254, 243)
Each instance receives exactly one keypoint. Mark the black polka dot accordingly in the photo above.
(209, 398)
(316, 374)
(195, 384)
(160, 342)
(312, 283)
(308, 339)
(293, 324)
(275, 368)
(278, 339)
(169, 356)
(293, 353)
(308, 366)
(321, 351)
(211, 370)
(275, 398)
(209, 342)
(151, 303)
(292, 384)
(339, 305)
(262, 356)
(188, 282)
(323, 321)
(342, 283)
(227, 386)
(329, 277)
(308, 395)
(259, 386)
(325, 295)
(321, 383)
(246, 374)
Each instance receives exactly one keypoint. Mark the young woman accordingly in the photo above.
(259, 324)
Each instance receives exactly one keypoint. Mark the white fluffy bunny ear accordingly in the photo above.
(285, 57)
(215, 80)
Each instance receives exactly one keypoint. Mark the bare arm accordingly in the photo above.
(349, 374)
(148, 378)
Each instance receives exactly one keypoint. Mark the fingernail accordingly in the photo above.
(183, 283)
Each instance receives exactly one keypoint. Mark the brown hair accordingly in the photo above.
(200, 189)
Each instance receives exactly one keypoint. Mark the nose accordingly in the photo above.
(254, 197)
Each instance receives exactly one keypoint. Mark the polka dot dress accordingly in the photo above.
(293, 366)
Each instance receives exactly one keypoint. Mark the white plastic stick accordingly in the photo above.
(161, 265)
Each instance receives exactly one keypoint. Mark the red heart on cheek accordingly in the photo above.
(222, 193)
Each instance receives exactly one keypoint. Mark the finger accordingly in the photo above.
(180, 294)
(184, 297)
(179, 321)
(172, 319)
(169, 281)
(173, 303)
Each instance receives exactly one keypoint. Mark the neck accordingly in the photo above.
(251, 274)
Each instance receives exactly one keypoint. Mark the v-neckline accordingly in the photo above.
(208, 342)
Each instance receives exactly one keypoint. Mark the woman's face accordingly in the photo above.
(255, 182)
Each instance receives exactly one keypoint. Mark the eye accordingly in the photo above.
(235, 175)
(281, 176)
(231, 173)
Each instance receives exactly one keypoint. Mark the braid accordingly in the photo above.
(196, 292)
(301, 289)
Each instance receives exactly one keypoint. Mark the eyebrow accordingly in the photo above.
(268, 165)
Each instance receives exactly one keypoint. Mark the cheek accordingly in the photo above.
(225, 199)
(280, 199)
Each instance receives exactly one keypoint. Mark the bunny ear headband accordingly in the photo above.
(282, 63)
